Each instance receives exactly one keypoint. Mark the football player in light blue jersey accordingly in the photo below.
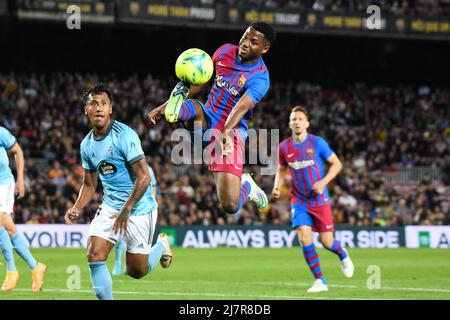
(120, 247)
(9, 237)
(112, 152)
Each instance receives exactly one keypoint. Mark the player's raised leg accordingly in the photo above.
(233, 192)
(255, 193)
(139, 264)
(98, 251)
(38, 269)
(174, 109)
(142, 258)
(12, 275)
(229, 190)
(304, 234)
(333, 245)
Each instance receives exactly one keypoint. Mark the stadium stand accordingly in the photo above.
(395, 147)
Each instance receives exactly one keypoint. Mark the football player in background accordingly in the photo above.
(306, 154)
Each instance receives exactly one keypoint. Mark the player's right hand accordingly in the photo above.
(20, 189)
(71, 215)
(276, 193)
(155, 114)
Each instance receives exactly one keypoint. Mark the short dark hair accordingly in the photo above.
(301, 109)
(97, 89)
(266, 29)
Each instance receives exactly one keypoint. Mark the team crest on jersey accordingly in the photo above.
(107, 168)
(309, 152)
(242, 81)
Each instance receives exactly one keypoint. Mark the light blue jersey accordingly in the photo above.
(112, 157)
(7, 141)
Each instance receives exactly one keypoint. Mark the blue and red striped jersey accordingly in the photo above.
(234, 79)
(306, 161)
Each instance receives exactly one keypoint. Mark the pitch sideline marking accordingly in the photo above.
(206, 294)
(300, 284)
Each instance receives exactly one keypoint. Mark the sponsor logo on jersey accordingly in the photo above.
(301, 164)
(222, 83)
(107, 168)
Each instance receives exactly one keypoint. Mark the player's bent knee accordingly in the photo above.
(230, 207)
(306, 241)
(136, 273)
(11, 229)
(96, 255)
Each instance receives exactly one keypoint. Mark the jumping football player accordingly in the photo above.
(113, 152)
(9, 237)
(306, 154)
(241, 81)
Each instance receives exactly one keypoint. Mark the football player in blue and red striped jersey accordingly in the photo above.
(241, 81)
(306, 154)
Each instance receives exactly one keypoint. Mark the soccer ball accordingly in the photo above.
(194, 66)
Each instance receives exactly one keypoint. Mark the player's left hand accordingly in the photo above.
(20, 189)
(319, 186)
(121, 224)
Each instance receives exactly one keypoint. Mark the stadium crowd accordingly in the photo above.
(396, 7)
(372, 129)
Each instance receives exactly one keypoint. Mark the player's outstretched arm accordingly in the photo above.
(85, 195)
(17, 151)
(141, 184)
(279, 181)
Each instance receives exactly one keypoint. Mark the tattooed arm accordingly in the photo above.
(140, 170)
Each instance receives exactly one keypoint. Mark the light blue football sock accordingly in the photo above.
(7, 249)
(23, 251)
(101, 280)
(155, 255)
(119, 249)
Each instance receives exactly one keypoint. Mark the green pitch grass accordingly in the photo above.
(251, 274)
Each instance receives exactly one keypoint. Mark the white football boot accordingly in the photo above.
(347, 266)
(318, 286)
(257, 195)
(167, 255)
